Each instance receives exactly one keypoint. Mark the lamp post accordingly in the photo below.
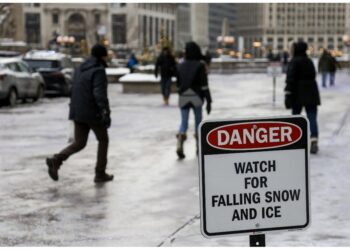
(256, 46)
(225, 41)
(65, 42)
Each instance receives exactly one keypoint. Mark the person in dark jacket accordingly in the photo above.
(301, 89)
(167, 66)
(327, 66)
(193, 89)
(89, 109)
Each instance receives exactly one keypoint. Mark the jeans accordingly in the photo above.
(331, 78)
(311, 112)
(165, 83)
(81, 133)
(185, 113)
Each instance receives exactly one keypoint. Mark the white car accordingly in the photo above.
(18, 82)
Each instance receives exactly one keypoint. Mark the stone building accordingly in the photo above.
(276, 25)
(11, 22)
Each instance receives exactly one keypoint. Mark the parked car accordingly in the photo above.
(56, 69)
(17, 81)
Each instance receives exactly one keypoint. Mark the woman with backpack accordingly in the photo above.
(192, 83)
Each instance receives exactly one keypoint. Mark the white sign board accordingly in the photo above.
(274, 69)
(254, 175)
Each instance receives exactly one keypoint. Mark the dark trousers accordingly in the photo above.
(165, 83)
(81, 134)
(311, 113)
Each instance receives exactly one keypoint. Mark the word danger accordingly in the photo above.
(254, 135)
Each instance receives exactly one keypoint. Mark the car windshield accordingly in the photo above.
(36, 64)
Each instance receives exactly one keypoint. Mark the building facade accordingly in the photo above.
(131, 26)
(275, 26)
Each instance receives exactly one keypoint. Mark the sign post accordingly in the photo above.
(274, 70)
(254, 176)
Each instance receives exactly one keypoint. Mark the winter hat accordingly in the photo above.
(192, 51)
(99, 51)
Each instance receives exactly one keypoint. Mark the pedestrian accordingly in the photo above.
(167, 66)
(132, 63)
(193, 89)
(285, 59)
(89, 109)
(301, 89)
(207, 58)
(327, 66)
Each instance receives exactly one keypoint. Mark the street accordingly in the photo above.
(154, 198)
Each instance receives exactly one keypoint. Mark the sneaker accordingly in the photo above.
(53, 165)
(103, 177)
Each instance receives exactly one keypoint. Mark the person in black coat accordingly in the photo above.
(301, 89)
(167, 66)
(192, 83)
(89, 109)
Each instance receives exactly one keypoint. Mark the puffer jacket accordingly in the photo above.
(89, 98)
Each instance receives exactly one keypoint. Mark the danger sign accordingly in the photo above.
(254, 175)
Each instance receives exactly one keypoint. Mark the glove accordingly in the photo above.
(106, 118)
(208, 107)
(288, 101)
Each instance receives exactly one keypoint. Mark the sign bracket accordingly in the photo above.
(257, 240)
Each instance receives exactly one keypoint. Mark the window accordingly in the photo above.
(32, 27)
(151, 31)
(37, 5)
(97, 18)
(122, 4)
(119, 29)
(23, 67)
(55, 18)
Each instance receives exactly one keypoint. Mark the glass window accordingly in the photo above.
(13, 67)
(119, 28)
(97, 18)
(55, 18)
(32, 27)
(23, 67)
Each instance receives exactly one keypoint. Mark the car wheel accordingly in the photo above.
(12, 98)
(39, 93)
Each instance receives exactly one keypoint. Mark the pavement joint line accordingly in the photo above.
(196, 217)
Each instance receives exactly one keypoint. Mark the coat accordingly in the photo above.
(89, 93)
(167, 66)
(327, 63)
(192, 75)
(301, 80)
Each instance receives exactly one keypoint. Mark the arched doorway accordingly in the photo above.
(77, 27)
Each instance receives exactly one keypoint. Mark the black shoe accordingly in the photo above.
(53, 165)
(181, 138)
(314, 147)
(103, 177)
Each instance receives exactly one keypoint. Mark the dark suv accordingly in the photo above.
(56, 69)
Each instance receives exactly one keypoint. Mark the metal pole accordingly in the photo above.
(274, 91)
(257, 240)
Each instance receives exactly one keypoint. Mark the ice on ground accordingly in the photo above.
(154, 199)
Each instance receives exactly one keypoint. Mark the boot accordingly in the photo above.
(103, 177)
(166, 101)
(314, 146)
(53, 164)
(180, 145)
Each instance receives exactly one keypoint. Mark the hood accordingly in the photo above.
(91, 62)
(193, 52)
(300, 49)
